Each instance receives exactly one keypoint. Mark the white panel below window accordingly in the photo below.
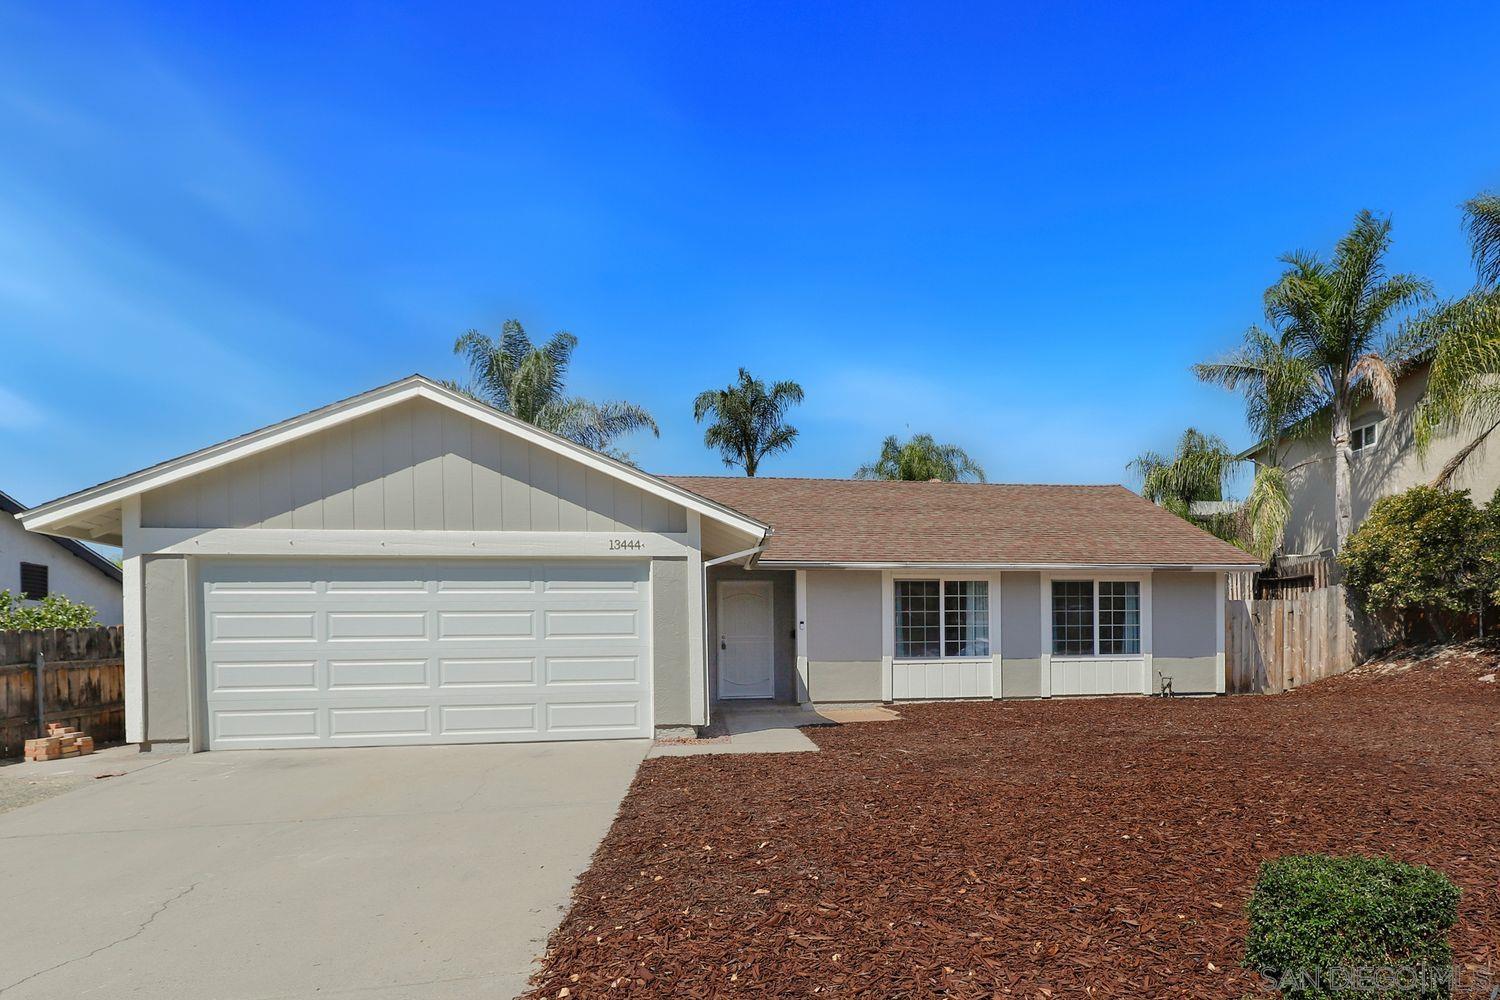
(942, 679)
(1104, 675)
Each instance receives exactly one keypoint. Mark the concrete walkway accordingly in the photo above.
(378, 874)
(769, 729)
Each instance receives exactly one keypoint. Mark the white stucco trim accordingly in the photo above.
(1219, 593)
(887, 634)
(997, 617)
(963, 567)
(431, 543)
(1045, 600)
(135, 623)
(57, 515)
(804, 686)
(697, 623)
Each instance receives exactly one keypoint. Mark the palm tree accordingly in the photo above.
(921, 459)
(749, 422)
(1197, 471)
(1329, 321)
(529, 382)
(1462, 338)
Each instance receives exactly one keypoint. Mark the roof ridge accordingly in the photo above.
(887, 482)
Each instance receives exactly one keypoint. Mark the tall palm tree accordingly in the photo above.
(1331, 320)
(1462, 338)
(920, 459)
(749, 422)
(529, 381)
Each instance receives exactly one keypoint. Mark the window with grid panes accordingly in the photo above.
(1073, 618)
(919, 623)
(966, 618)
(1119, 617)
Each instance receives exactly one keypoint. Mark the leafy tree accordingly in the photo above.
(1330, 327)
(749, 421)
(1415, 557)
(529, 381)
(920, 459)
(1462, 337)
(52, 611)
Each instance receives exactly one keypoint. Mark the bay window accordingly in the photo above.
(1096, 618)
(942, 619)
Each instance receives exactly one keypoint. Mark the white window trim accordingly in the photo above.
(1374, 426)
(1145, 604)
(991, 587)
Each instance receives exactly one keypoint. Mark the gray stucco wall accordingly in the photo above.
(843, 680)
(1021, 635)
(1391, 466)
(783, 626)
(843, 616)
(168, 659)
(417, 465)
(671, 667)
(1184, 635)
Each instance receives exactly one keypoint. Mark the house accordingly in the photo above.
(1385, 461)
(410, 566)
(38, 566)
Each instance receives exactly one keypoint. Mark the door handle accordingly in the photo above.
(722, 643)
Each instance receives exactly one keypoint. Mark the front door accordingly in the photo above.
(745, 645)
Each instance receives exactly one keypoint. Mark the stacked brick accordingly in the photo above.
(61, 741)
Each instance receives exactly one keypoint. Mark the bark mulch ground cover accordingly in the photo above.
(1096, 848)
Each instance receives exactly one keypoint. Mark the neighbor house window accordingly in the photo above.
(942, 619)
(34, 581)
(1090, 619)
(1363, 437)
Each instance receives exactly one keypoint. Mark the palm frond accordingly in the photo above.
(1267, 509)
(1482, 224)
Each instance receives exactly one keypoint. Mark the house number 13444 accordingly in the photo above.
(625, 543)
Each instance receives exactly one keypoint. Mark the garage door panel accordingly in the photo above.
(487, 672)
(439, 652)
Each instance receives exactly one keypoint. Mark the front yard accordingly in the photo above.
(1065, 848)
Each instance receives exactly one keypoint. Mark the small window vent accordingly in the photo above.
(34, 581)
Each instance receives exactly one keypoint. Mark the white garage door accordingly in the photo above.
(374, 653)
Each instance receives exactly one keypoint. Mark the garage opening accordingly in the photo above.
(401, 652)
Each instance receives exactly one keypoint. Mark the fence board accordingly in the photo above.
(83, 683)
(1276, 643)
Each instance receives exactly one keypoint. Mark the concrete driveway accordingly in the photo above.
(431, 872)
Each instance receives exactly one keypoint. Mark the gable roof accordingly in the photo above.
(10, 505)
(850, 521)
(94, 512)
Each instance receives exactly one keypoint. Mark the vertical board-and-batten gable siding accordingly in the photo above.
(414, 466)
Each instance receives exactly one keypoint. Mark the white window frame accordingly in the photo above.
(1144, 581)
(991, 592)
(1374, 428)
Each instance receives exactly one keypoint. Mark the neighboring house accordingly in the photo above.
(411, 566)
(37, 566)
(1385, 462)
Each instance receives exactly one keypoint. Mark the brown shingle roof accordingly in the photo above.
(850, 520)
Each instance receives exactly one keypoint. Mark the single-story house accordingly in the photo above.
(411, 566)
(39, 567)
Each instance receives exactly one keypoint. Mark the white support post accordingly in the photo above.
(1148, 680)
(1220, 581)
(697, 641)
(887, 633)
(1046, 603)
(804, 685)
(134, 583)
(997, 640)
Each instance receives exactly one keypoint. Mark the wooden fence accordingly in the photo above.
(1274, 644)
(82, 684)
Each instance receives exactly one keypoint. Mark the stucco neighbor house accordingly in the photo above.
(1385, 462)
(409, 566)
(38, 566)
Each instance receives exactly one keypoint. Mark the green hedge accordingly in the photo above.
(1337, 927)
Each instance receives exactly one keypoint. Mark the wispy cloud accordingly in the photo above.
(17, 413)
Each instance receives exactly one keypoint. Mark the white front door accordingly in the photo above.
(745, 639)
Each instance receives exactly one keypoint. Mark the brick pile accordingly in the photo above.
(61, 741)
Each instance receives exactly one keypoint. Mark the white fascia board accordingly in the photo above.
(1047, 567)
(58, 513)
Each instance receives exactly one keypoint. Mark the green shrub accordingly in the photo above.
(1415, 557)
(53, 611)
(1336, 927)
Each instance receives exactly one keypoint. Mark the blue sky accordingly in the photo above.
(1013, 227)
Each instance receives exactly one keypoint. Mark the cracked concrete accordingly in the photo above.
(374, 874)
